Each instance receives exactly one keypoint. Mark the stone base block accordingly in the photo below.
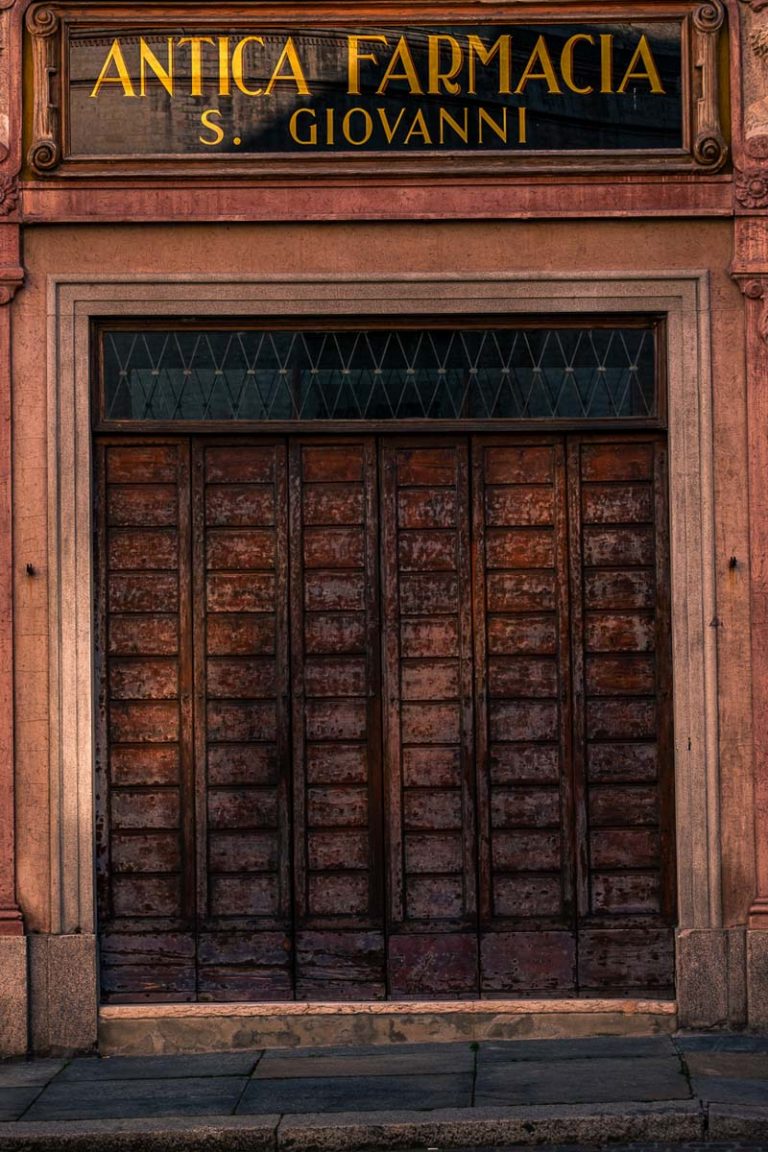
(13, 996)
(757, 979)
(711, 978)
(63, 994)
(165, 1029)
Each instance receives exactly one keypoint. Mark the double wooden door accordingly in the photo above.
(383, 717)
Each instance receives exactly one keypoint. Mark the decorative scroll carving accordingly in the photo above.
(9, 194)
(709, 149)
(752, 189)
(44, 154)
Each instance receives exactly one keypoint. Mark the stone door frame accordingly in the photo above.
(74, 303)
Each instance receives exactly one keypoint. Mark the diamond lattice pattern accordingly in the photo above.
(374, 374)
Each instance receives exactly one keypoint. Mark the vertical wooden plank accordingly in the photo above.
(620, 587)
(524, 760)
(335, 652)
(244, 894)
(429, 742)
(578, 770)
(145, 843)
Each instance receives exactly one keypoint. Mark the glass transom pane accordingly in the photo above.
(407, 374)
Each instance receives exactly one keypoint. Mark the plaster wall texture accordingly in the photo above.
(593, 248)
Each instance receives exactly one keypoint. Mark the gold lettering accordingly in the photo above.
(649, 72)
(461, 132)
(401, 55)
(330, 137)
(216, 129)
(606, 63)
(354, 56)
(196, 53)
(436, 76)
(484, 117)
(503, 49)
(237, 65)
(147, 57)
(224, 87)
(419, 128)
(346, 126)
(540, 55)
(293, 122)
(390, 129)
(289, 56)
(566, 62)
(114, 56)
(522, 124)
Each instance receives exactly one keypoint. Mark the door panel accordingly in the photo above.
(427, 627)
(144, 831)
(241, 721)
(525, 789)
(336, 722)
(622, 669)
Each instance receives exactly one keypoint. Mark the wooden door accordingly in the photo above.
(383, 719)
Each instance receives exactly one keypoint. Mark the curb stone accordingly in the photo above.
(738, 1121)
(169, 1134)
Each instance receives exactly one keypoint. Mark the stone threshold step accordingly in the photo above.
(166, 1029)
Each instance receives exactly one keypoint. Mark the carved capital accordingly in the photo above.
(755, 288)
(11, 279)
(9, 194)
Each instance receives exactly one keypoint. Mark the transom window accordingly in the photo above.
(478, 374)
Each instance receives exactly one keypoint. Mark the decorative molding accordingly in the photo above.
(9, 194)
(43, 25)
(756, 5)
(709, 149)
(751, 188)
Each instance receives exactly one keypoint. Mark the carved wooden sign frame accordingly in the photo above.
(57, 127)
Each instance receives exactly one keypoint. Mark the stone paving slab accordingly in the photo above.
(613, 1047)
(159, 1067)
(195, 1096)
(723, 1091)
(721, 1042)
(460, 1058)
(357, 1094)
(580, 1081)
(25, 1073)
(172, 1134)
(455, 1128)
(354, 1050)
(15, 1101)
(752, 1065)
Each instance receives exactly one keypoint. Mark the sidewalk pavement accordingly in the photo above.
(671, 1089)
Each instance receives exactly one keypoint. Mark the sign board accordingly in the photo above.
(511, 92)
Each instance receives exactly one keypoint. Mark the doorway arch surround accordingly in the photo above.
(73, 304)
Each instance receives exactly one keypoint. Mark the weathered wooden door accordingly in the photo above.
(383, 718)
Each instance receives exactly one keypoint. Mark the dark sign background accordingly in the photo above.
(112, 124)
